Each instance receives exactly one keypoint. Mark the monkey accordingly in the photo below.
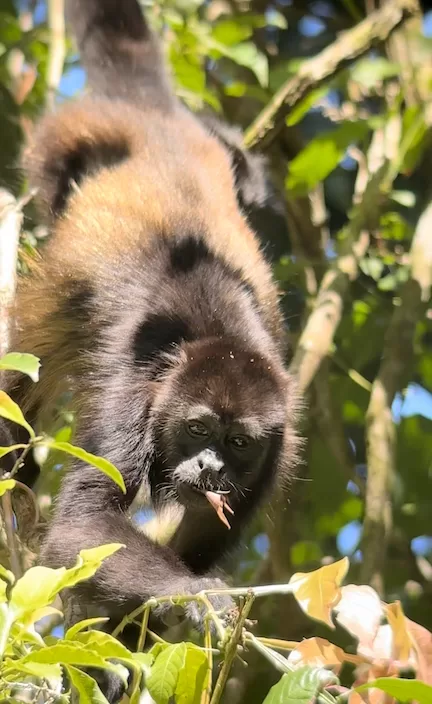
(153, 301)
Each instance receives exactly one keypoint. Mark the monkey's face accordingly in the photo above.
(220, 426)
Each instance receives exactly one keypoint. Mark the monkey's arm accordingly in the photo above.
(89, 513)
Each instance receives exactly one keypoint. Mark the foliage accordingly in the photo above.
(359, 164)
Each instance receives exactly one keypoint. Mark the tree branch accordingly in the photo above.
(10, 225)
(394, 373)
(371, 197)
(57, 49)
(349, 46)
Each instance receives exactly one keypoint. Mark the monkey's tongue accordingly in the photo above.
(219, 502)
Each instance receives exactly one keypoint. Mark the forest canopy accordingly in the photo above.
(337, 96)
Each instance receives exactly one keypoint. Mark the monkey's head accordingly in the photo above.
(223, 421)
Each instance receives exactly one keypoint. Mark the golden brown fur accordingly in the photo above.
(153, 302)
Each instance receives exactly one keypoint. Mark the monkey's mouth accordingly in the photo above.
(218, 499)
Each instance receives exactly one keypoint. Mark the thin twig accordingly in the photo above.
(394, 372)
(143, 630)
(57, 49)
(348, 47)
(206, 695)
(231, 650)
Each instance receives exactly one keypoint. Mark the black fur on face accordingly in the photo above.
(218, 422)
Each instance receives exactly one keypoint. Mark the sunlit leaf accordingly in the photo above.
(317, 652)
(144, 661)
(39, 585)
(370, 72)
(162, 681)
(11, 448)
(83, 625)
(7, 575)
(398, 624)
(6, 485)
(191, 679)
(86, 687)
(230, 32)
(305, 105)
(21, 362)
(300, 686)
(39, 614)
(318, 592)
(104, 645)
(405, 198)
(360, 612)
(67, 653)
(45, 670)
(104, 465)
(414, 132)
(11, 411)
(318, 159)
(36, 589)
(6, 621)
(402, 690)
(421, 640)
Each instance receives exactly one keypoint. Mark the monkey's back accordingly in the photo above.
(150, 178)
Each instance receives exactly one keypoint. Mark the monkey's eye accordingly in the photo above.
(197, 429)
(239, 442)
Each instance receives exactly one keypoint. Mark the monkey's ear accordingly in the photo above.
(256, 194)
(73, 144)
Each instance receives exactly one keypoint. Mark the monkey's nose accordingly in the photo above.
(210, 462)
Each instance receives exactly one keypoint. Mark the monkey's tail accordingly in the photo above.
(121, 55)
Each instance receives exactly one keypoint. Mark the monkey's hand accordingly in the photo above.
(195, 610)
(221, 603)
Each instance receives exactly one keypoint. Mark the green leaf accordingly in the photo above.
(372, 266)
(39, 585)
(104, 644)
(6, 485)
(104, 465)
(300, 686)
(191, 679)
(82, 625)
(5, 450)
(42, 670)
(86, 687)
(230, 32)
(305, 105)
(321, 156)
(370, 72)
(144, 661)
(67, 653)
(88, 563)
(11, 411)
(6, 620)
(414, 132)
(21, 362)
(188, 71)
(35, 589)
(247, 55)
(162, 681)
(402, 690)
(7, 575)
(405, 198)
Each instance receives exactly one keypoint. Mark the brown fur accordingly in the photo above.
(123, 207)
(151, 298)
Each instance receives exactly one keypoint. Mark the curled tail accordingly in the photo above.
(121, 55)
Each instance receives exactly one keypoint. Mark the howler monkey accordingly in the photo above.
(154, 303)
